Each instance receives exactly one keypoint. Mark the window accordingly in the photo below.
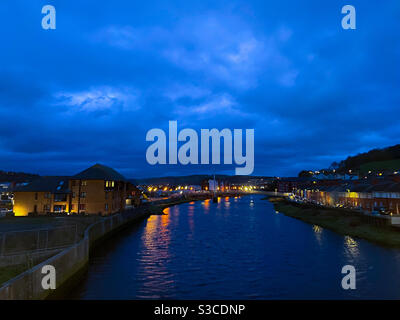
(46, 208)
(83, 194)
(60, 197)
(59, 208)
(82, 207)
(72, 207)
(109, 184)
(47, 195)
(106, 207)
(73, 194)
(36, 196)
(83, 183)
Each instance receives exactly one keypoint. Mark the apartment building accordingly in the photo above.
(96, 190)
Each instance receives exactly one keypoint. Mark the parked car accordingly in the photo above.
(383, 211)
(3, 212)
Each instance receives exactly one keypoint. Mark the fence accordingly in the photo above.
(18, 247)
(68, 262)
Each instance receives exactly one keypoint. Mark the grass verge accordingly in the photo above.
(342, 222)
(7, 273)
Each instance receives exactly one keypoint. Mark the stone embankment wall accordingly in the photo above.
(69, 262)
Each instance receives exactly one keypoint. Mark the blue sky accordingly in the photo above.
(89, 91)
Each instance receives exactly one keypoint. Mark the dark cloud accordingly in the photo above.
(90, 90)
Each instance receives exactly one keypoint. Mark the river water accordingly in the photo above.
(238, 248)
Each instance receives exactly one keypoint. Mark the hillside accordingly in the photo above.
(197, 179)
(378, 157)
(384, 159)
(389, 165)
(16, 176)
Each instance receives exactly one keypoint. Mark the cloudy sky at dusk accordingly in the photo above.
(89, 91)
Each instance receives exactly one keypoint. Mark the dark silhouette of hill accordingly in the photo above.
(379, 159)
(196, 179)
(9, 176)
(385, 158)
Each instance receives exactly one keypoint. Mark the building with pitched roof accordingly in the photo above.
(96, 190)
(383, 195)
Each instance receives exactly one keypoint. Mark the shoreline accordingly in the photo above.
(70, 263)
(341, 222)
(94, 234)
(158, 208)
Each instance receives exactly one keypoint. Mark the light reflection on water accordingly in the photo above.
(318, 233)
(238, 248)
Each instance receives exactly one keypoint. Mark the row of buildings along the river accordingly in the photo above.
(96, 190)
(380, 193)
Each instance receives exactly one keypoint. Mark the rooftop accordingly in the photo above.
(100, 172)
(54, 184)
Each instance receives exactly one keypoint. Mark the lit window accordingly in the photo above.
(109, 184)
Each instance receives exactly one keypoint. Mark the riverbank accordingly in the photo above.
(23, 281)
(28, 241)
(69, 263)
(159, 206)
(343, 222)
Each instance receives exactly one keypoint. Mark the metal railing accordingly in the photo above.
(36, 240)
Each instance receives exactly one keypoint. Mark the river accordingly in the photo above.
(238, 248)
